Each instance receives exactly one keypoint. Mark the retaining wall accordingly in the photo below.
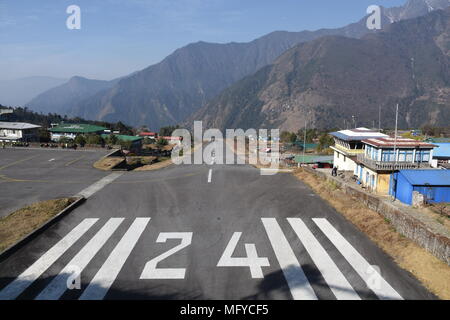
(409, 224)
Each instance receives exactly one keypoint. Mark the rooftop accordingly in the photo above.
(443, 150)
(313, 159)
(148, 134)
(398, 143)
(17, 125)
(123, 137)
(77, 128)
(357, 134)
(438, 177)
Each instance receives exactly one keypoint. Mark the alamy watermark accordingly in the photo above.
(256, 147)
(73, 22)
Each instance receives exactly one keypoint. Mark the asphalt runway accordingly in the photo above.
(204, 232)
(31, 175)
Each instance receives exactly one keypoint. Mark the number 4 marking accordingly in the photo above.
(151, 272)
(252, 260)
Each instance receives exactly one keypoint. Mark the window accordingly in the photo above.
(409, 155)
(422, 156)
(388, 155)
(402, 156)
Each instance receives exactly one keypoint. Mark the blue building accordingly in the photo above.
(433, 184)
(441, 156)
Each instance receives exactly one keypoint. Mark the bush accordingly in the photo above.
(94, 139)
(162, 142)
(80, 139)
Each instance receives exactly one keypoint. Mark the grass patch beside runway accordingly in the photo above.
(24, 221)
(108, 163)
(432, 272)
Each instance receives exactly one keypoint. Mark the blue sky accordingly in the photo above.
(118, 37)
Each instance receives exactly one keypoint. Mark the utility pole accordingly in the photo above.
(304, 142)
(395, 134)
(379, 117)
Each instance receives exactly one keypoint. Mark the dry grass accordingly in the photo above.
(432, 272)
(108, 163)
(23, 221)
(155, 166)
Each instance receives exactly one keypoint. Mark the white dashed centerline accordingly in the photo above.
(209, 175)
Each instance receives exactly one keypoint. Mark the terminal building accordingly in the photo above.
(384, 156)
(348, 144)
(18, 132)
(71, 130)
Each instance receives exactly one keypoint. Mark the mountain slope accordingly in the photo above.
(18, 92)
(331, 79)
(168, 92)
(63, 98)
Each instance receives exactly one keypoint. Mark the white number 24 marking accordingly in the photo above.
(252, 260)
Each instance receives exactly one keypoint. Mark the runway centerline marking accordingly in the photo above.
(380, 287)
(26, 278)
(209, 175)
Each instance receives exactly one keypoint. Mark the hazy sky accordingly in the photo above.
(118, 37)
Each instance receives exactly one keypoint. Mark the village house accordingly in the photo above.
(348, 144)
(383, 156)
(18, 131)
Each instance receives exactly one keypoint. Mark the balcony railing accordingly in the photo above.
(387, 165)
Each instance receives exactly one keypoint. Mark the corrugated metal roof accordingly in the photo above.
(423, 177)
(17, 125)
(443, 150)
(77, 128)
(399, 143)
(357, 134)
(313, 159)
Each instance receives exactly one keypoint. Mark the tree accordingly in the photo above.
(112, 139)
(80, 139)
(167, 131)
(325, 141)
(286, 136)
(162, 142)
(311, 135)
(94, 139)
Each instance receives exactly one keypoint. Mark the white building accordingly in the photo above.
(18, 131)
(347, 145)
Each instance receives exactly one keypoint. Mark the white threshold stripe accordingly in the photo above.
(368, 273)
(58, 286)
(338, 284)
(100, 184)
(24, 280)
(103, 280)
(293, 273)
(209, 175)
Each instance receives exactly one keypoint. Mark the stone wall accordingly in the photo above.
(406, 222)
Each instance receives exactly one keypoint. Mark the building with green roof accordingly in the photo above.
(71, 130)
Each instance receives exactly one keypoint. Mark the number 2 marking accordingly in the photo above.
(151, 272)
